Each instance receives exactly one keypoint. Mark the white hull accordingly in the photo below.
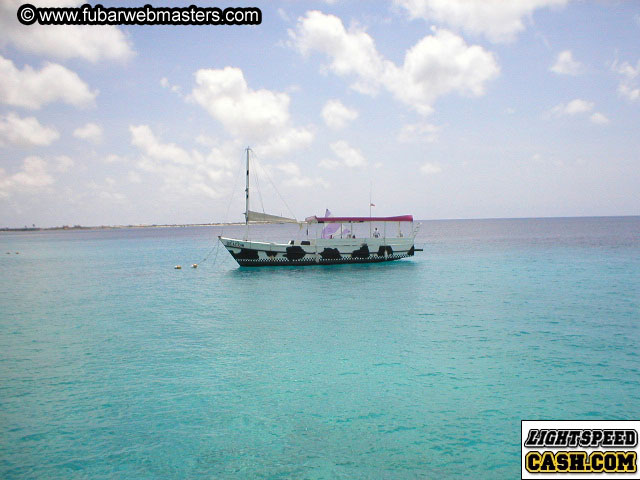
(322, 251)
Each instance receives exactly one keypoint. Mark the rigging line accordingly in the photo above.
(226, 218)
(278, 192)
(256, 177)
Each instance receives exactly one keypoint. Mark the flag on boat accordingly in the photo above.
(330, 228)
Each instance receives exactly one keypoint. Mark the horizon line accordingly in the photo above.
(221, 224)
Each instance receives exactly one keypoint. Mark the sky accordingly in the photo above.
(440, 109)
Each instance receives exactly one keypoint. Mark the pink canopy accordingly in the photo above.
(401, 218)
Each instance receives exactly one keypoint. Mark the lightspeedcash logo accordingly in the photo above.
(580, 449)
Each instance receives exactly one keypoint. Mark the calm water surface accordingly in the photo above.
(115, 365)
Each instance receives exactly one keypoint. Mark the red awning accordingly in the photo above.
(401, 218)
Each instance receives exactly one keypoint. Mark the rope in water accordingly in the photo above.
(206, 257)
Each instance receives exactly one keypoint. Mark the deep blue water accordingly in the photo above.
(115, 365)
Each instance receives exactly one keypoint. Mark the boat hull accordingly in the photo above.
(321, 252)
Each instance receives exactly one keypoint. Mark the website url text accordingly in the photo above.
(146, 15)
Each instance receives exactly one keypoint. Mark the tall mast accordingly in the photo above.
(246, 191)
(370, 204)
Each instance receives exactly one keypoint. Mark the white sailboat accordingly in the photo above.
(338, 241)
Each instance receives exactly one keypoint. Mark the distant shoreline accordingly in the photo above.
(113, 227)
(222, 224)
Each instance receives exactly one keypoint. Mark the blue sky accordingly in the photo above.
(455, 109)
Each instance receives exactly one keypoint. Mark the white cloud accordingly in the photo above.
(183, 171)
(143, 138)
(164, 82)
(32, 89)
(296, 178)
(566, 64)
(113, 158)
(290, 168)
(133, 177)
(89, 42)
(631, 93)
(349, 156)
(32, 176)
(498, 20)
(438, 64)
(626, 69)
(260, 117)
(418, 132)
(430, 168)
(106, 191)
(329, 164)
(292, 138)
(63, 163)
(283, 15)
(90, 132)
(579, 107)
(629, 84)
(205, 140)
(107, 195)
(352, 53)
(25, 132)
(336, 115)
(574, 107)
(599, 118)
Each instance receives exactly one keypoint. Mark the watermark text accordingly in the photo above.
(145, 15)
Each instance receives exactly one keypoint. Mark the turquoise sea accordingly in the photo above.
(113, 365)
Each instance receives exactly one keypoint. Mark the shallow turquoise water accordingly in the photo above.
(114, 365)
